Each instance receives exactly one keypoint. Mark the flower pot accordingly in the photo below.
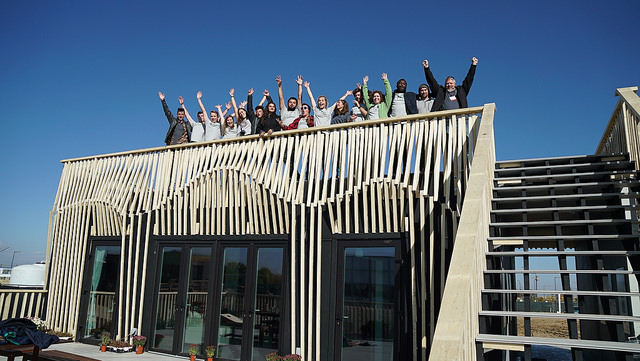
(209, 358)
(192, 357)
(139, 350)
(103, 348)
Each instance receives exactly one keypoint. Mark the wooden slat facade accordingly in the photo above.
(403, 175)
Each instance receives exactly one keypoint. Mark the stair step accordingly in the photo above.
(570, 175)
(557, 271)
(620, 183)
(561, 223)
(563, 292)
(566, 237)
(563, 315)
(560, 342)
(558, 160)
(564, 209)
(561, 253)
(567, 196)
(581, 166)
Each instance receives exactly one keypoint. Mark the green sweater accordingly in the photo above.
(383, 108)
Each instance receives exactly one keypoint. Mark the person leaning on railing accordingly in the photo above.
(270, 122)
(179, 131)
(450, 96)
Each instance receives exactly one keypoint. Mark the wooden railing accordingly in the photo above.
(396, 175)
(622, 134)
(458, 323)
(22, 303)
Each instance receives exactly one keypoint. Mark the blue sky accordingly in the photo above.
(81, 77)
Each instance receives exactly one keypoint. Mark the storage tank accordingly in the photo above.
(28, 275)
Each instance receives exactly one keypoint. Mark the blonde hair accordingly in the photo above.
(326, 102)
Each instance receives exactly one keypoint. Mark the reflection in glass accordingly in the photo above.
(196, 302)
(368, 306)
(167, 299)
(234, 275)
(266, 334)
(102, 292)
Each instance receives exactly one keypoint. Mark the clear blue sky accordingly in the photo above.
(79, 78)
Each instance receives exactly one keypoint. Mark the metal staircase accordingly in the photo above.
(563, 262)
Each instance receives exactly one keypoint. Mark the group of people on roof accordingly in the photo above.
(264, 120)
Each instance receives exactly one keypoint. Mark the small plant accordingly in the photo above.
(139, 340)
(193, 349)
(105, 338)
(59, 333)
(40, 324)
(210, 351)
(119, 344)
(292, 357)
(273, 357)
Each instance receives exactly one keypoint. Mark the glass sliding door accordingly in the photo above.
(268, 302)
(196, 297)
(367, 305)
(232, 305)
(168, 302)
(102, 296)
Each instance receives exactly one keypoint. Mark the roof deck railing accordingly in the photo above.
(622, 134)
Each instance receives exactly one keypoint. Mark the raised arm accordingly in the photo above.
(186, 112)
(349, 92)
(468, 80)
(220, 114)
(365, 92)
(226, 110)
(250, 112)
(279, 81)
(433, 84)
(204, 111)
(233, 101)
(388, 97)
(265, 97)
(299, 81)
(167, 112)
(313, 100)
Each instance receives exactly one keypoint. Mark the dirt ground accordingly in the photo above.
(546, 327)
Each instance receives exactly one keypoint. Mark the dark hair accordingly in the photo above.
(259, 107)
(180, 110)
(267, 113)
(296, 99)
(345, 108)
(308, 106)
(200, 112)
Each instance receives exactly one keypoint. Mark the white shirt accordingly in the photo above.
(288, 116)
(398, 108)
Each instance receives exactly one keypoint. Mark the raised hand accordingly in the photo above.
(265, 93)
(425, 63)
(365, 79)
(306, 84)
(279, 80)
(199, 95)
(359, 86)
(243, 104)
(161, 95)
(355, 103)
(474, 61)
(384, 76)
(232, 91)
(299, 80)
(250, 91)
(219, 106)
(228, 105)
(180, 100)
(349, 92)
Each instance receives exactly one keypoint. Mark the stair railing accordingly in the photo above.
(458, 324)
(622, 134)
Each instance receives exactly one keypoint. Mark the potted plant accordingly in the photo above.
(210, 351)
(273, 357)
(120, 346)
(105, 340)
(138, 343)
(193, 350)
(292, 357)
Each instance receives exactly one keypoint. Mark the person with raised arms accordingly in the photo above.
(321, 110)
(197, 128)
(179, 131)
(359, 110)
(212, 127)
(258, 114)
(450, 96)
(377, 104)
(292, 111)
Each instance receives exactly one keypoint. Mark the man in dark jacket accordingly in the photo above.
(179, 131)
(403, 102)
(450, 96)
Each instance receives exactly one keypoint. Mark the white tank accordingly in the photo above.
(28, 275)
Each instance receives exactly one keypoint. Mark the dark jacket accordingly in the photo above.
(439, 92)
(410, 103)
(251, 114)
(270, 122)
(21, 331)
(173, 122)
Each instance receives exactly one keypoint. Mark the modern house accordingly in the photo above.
(394, 239)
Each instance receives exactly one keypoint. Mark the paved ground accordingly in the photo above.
(94, 352)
